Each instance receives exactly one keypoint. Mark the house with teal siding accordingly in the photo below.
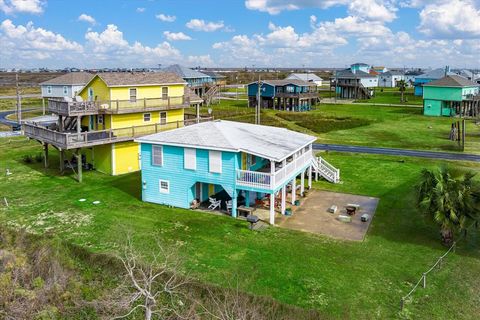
(244, 161)
(287, 94)
(428, 77)
(450, 96)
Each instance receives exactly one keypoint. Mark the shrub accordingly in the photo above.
(27, 159)
(39, 157)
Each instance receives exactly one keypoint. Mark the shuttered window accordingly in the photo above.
(157, 155)
(215, 161)
(190, 158)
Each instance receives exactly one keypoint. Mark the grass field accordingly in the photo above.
(11, 104)
(361, 280)
(393, 96)
(365, 125)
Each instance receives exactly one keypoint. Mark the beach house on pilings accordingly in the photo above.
(96, 128)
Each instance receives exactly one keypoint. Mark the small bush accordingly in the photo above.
(27, 159)
(39, 157)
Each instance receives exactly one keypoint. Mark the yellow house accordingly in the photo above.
(113, 109)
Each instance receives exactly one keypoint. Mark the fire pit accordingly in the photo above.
(351, 210)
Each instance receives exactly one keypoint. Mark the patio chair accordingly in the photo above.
(229, 205)
(214, 203)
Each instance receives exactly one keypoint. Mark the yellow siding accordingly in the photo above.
(102, 158)
(136, 119)
(126, 157)
(100, 90)
(123, 93)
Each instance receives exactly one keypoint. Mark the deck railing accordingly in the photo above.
(271, 181)
(72, 140)
(116, 106)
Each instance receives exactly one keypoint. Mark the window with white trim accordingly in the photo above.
(157, 156)
(190, 158)
(147, 117)
(163, 117)
(164, 186)
(133, 94)
(65, 90)
(215, 161)
(49, 89)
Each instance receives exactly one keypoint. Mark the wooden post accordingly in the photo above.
(78, 155)
(402, 303)
(424, 280)
(198, 112)
(43, 106)
(144, 103)
(45, 157)
(62, 161)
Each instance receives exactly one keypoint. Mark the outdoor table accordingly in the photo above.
(351, 210)
(245, 210)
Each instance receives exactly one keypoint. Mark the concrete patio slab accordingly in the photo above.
(313, 216)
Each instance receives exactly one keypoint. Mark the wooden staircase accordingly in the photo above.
(326, 170)
(210, 94)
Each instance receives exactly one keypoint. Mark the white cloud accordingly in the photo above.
(165, 18)
(86, 18)
(109, 46)
(372, 10)
(277, 6)
(204, 60)
(176, 36)
(140, 10)
(22, 6)
(28, 44)
(202, 25)
(451, 19)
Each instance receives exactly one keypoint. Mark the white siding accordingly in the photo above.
(190, 158)
(215, 161)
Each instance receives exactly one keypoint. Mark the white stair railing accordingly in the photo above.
(326, 170)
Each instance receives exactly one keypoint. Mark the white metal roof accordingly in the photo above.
(267, 142)
(304, 77)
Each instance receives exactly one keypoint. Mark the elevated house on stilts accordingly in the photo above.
(246, 161)
(98, 126)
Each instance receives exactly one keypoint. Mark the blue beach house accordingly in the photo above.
(429, 76)
(243, 161)
(287, 94)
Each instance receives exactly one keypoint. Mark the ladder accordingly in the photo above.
(326, 170)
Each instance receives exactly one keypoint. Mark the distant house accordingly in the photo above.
(390, 78)
(354, 83)
(363, 67)
(231, 162)
(286, 94)
(451, 95)
(307, 77)
(411, 75)
(196, 80)
(429, 76)
(380, 69)
(67, 85)
(217, 78)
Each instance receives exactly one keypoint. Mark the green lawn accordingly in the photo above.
(393, 96)
(360, 280)
(365, 125)
(27, 103)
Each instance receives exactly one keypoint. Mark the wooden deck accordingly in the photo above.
(72, 108)
(74, 140)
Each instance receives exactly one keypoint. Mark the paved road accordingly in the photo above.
(5, 113)
(398, 152)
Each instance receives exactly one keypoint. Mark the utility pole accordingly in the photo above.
(257, 111)
(19, 100)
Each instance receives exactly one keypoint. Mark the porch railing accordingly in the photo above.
(116, 106)
(71, 140)
(270, 181)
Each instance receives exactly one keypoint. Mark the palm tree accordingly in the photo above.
(451, 198)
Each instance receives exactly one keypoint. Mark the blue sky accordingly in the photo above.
(277, 33)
